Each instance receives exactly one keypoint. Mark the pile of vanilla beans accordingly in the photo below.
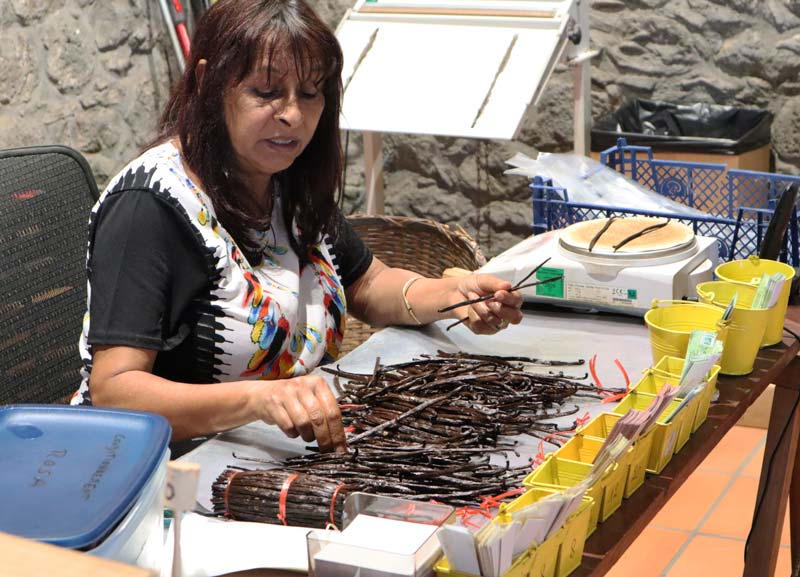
(434, 428)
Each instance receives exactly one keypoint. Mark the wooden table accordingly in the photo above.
(777, 364)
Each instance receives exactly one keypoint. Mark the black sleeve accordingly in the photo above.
(350, 255)
(144, 269)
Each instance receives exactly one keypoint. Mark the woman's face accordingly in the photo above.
(271, 118)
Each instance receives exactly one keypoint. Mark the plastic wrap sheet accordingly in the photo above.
(546, 334)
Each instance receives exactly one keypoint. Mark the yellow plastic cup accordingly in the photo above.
(746, 328)
(749, 272)
(671, 325)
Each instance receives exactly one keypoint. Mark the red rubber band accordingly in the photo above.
(582, 420)
(227, 491)
(284, 493)
(592, 370)
(540, 454)
(489, 501)
(613, 398)
(333, 501)
(465, 513)
(624, 374)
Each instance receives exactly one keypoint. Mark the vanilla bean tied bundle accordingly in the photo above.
(279, 496)
(426, 429)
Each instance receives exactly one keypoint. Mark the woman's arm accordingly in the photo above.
(376, 297)
(302, 406)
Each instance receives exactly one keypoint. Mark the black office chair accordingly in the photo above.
(46, 194)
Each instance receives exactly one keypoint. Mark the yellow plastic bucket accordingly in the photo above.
(652, 382)
(584, 450)
(555, 473)
(668, 438)
(599, 428)
(672, 367)
(746, 327)
(571, 537)
(749, 272)
(671, 325)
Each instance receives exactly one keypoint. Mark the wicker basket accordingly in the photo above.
(421, 245)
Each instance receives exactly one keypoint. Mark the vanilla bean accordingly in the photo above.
(601, 232)
(642, 232)
(491, 296)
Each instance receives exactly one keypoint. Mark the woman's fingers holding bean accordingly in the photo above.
(305, 406)
(300, 415)
(317, 416)
(273, 412)
(508, 299)
(333, 416)
(481, 318)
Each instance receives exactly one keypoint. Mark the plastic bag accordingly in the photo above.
(589, 182)
(705, 128)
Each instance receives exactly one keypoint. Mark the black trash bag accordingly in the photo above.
(708, 128)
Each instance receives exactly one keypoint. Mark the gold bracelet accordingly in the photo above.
(407, 286)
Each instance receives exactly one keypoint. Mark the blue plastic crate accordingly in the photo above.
(739, 203)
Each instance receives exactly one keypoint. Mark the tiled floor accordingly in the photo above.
(702, 530)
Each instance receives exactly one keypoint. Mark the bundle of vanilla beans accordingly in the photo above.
(434, 428)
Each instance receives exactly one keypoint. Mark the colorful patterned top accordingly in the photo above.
(165, 275)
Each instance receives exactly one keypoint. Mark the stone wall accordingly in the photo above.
(93, 74)
(90, 74)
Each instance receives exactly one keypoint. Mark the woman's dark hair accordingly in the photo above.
(235, 37)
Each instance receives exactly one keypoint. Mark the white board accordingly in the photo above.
(451, 76)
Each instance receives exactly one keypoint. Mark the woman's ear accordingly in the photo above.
(200, 71)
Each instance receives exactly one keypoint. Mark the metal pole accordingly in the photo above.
(582, 83)
(373, 172)
(173, 36)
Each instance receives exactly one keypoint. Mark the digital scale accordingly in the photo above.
(621, 282)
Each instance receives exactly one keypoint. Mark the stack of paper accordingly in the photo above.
(702, 352)
(769, 289)
(493, 549)
(458, 544)
(495, 544)
(631, 426)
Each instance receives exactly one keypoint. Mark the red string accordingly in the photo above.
(539, 456)
(284, 494)
(624, 374)
(465, 513)
(592, 370)
(618, 396)
(579, 422)
(613, 398)
(227, 490)
(350, 429)
(333, 501)
(488, 501)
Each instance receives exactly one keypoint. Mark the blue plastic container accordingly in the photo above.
(739, 203)
(85, 478)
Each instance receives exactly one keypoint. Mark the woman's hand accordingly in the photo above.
(490, 316)
(302, 406)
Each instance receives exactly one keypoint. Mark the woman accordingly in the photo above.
(219, 257)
